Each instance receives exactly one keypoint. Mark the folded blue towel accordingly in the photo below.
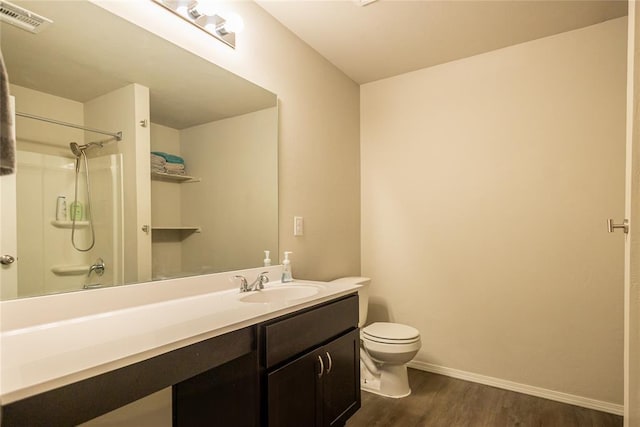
(170, 158)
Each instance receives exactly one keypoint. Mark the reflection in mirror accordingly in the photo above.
(92, 211)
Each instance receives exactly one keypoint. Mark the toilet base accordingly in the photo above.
(392, 381)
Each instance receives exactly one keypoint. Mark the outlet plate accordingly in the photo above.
(298, 226)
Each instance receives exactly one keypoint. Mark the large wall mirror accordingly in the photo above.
(94, 211)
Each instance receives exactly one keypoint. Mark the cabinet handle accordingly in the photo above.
(330, 362)
(321, 367)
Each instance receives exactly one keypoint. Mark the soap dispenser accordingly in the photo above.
(286, 268)
(267, 260)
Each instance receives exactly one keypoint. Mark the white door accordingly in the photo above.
(632, 241)
(8, 235)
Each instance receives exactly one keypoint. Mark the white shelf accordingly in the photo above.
(173, 233)
(70, 270)
(69, 224)
(191, 229)
(174, 177)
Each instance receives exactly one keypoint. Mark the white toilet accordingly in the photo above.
(385, 349)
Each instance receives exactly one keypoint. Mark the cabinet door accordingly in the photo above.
(294, 393)
(341, 381)
(227, 395)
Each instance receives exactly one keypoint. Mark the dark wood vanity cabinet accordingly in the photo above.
(304, 372)
(320, 388)
(311, 363)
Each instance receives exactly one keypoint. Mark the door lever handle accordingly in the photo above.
(611, 227)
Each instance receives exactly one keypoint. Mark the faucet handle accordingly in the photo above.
(244, 285)
(262, 279)
(98, 267)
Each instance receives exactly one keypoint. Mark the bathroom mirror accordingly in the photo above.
(207, 204)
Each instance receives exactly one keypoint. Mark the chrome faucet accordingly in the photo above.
(257, 284)
(98, 267)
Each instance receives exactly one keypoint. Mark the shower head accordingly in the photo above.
(76, 149)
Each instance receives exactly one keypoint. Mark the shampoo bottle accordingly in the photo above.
(267, 260)
(61, 208)
(286, 268)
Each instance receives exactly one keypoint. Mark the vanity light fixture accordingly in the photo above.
(364, 2)
(204, 15)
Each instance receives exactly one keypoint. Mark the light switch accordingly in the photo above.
(298, 226)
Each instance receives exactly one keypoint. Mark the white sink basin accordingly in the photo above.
(280, 294)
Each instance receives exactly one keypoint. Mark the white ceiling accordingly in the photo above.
(391, 37)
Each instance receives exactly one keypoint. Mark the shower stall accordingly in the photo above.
(49, 263)
(69, 217)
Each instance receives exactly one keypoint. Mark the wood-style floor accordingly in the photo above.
(437, 401)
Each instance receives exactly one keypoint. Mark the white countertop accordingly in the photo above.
(60, 350)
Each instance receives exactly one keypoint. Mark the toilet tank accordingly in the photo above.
(363, 294)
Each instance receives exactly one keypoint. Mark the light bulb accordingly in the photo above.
(183, 10)
(210, 27)
(233, 22)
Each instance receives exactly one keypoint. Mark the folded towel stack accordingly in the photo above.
(157, 163)
(167, 163)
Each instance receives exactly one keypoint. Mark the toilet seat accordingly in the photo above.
(390, 333)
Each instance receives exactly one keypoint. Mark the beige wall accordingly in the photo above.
(235, 203)
(486, 183)
(319, 175)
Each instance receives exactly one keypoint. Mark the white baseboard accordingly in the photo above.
(558, 396)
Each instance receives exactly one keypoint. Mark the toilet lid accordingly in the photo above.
(391, 331)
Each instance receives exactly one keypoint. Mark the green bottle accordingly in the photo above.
(75, 211)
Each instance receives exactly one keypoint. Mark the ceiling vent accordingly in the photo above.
(22, 18)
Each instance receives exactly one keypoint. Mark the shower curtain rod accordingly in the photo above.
(116, 135)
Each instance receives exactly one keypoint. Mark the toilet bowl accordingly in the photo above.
(385, 349)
